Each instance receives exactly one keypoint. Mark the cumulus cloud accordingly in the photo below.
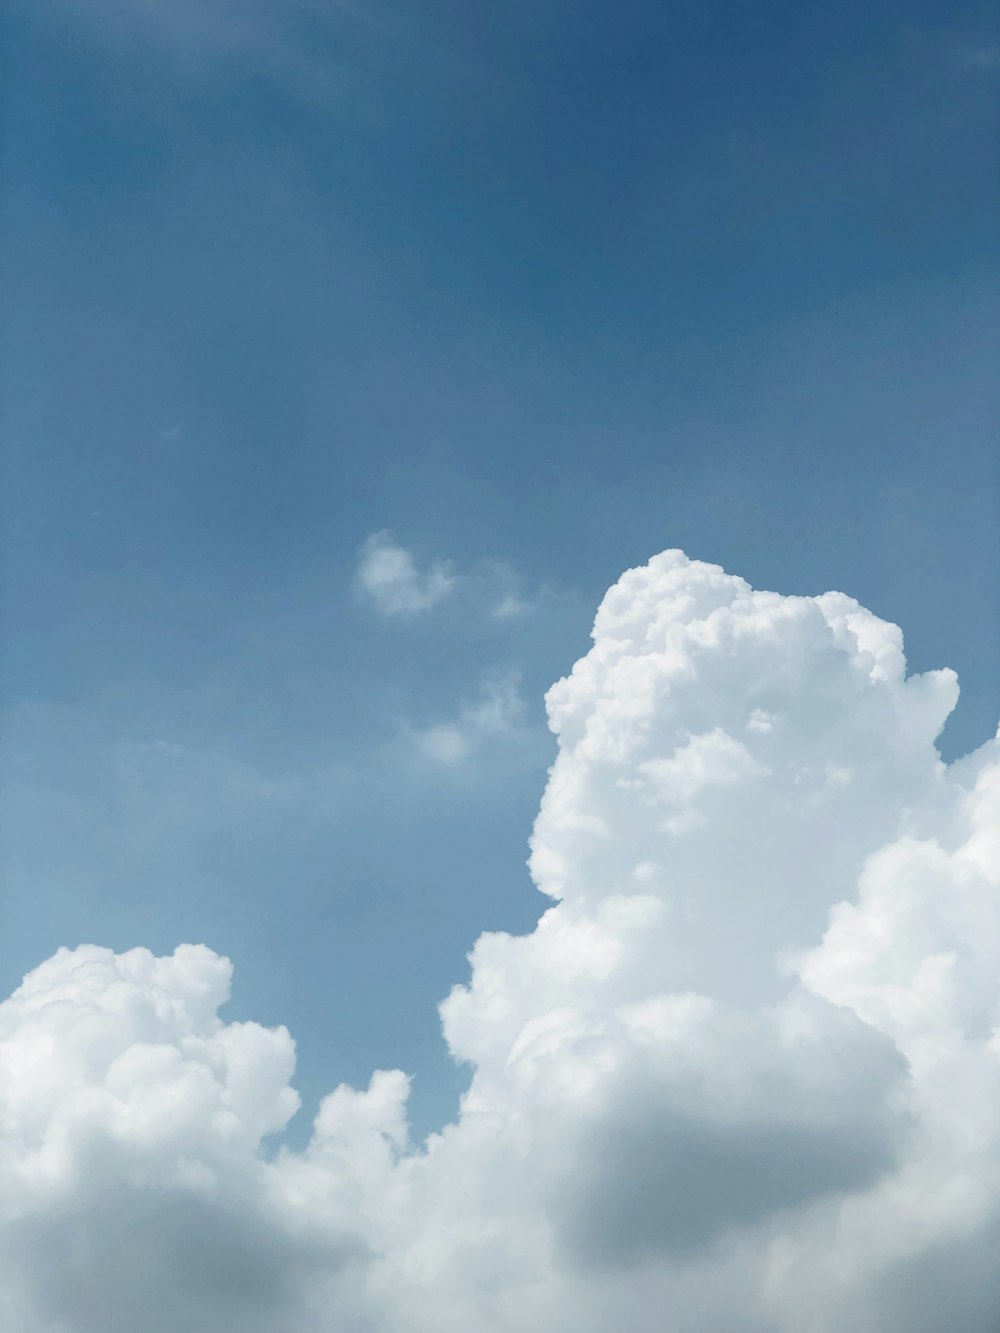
(742, 1076)
(387, 575)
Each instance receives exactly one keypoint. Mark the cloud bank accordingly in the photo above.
(744, 1074)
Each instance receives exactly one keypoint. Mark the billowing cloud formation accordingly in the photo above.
(744, 1075)
(388, 576)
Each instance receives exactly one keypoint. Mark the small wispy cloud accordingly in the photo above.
(509, 606)
(388, 577)
(498, 711)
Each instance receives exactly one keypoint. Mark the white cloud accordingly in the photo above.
(388, 576)
(497, 712)
(743, 1075)
(510, 606)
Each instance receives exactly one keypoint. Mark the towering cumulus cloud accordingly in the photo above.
(744, 1075)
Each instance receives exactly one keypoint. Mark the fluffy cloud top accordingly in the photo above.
(744, 1075)
(388, 576)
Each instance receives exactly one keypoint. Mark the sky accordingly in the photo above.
(350, 354)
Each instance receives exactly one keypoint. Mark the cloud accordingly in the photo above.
(387, 575)
(743, 1074)
(497, 712)
(511, 606)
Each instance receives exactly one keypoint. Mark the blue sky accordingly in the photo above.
(540, 290)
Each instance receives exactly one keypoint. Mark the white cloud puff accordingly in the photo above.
(744, 1074)
(387, 576)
